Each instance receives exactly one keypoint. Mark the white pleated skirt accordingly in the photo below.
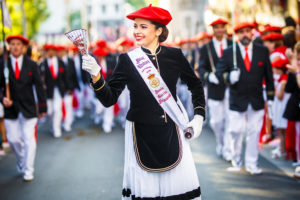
(178, 183)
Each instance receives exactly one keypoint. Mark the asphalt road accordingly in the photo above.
(87, 164)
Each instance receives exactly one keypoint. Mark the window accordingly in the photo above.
(117, 8)
(103, 8)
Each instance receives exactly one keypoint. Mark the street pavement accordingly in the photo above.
(87, 164)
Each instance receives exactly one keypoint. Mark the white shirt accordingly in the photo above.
(65, 60)
(13, 62)
(243, 51)
(77, 67)
(54, 62)
(103, 65)
(217, 45)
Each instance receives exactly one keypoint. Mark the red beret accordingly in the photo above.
(49, 46)
(100, 52)
(20, 37)
(219, 21)
(280, 63)
(273, 36)
(272, 29)
(152, 13)
(243, 25)
(101, 43)
(73, 48)
(60, 48)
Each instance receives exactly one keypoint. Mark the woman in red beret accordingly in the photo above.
(158, 159)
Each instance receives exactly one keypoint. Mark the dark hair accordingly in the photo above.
(289, 21)
(289, 39)
(165, 32)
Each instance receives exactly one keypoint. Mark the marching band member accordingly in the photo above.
(72, 83)
(21, 113)
(158, 159)
(55, 80)
(107, 66)
(246, 96)
(83, 80)
(217, 100)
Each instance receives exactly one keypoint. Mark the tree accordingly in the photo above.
(137, 4)
(35, 11)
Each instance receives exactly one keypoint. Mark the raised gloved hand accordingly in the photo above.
(270, 109)
(196, 124)
(212, 78)
(90, 65)
(234, 76)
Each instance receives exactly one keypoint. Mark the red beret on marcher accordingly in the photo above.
(152, 13)
(219, 21)
(272, 29)
(243, 25)
(100, 52)
(280, 63)
(273, 36)
(60, 48)
(73, 48)
(49, 46)
(101, 43)
(20, 37)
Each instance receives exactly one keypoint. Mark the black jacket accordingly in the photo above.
(143, 106)
(292, 110)
(249, 88)
(214, 91)
(21, 90)
(84, 76)
(60, 81)
(72, 81)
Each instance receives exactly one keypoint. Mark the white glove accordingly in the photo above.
(90, 65)
(270, 109)
(196, 124)
(234, 76)
(213, 78)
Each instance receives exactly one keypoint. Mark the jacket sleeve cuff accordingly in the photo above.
(98, 85)
(200, 110)
(42, 107)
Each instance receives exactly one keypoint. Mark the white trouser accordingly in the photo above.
(124, 103)
(218, 111)
(227, 146)
(79, 95)
(54, 109)
(21, 137)
(249, 122)
(106, 114)
(68, 99)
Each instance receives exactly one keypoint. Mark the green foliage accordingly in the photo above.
(35, 11)
(137, 4)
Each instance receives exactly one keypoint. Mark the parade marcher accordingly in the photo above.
(293, 109)
(56, 83)
(83, 80)
(280, 124)
(158, 160)
(217, 100)
(20, 108)
(107, 67)
(246, 97)
(72, 83)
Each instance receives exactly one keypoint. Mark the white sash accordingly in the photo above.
(158, 88)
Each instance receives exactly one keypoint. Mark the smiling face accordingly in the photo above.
(145, 33)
